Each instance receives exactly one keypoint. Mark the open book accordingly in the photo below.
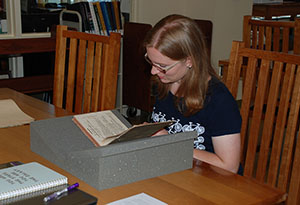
(105, 127)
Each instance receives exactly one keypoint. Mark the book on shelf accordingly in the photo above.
(89, 18)
(27, 179)
(105, 17)
(105, 127)
(116, 7)
(93, 18)
(101, 18)
(111, 15)
(98, 19)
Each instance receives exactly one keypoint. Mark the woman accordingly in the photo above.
(190, 92)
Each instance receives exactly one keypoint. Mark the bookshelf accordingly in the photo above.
(20, 47)
(98, 17)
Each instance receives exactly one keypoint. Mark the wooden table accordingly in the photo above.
(276, 9)
(203, 184)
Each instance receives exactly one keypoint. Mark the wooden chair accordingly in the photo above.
(86, 70)
(270, 143)
(282, 36)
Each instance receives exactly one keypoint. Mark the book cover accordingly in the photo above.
(105, 127)
(105, 17)
(101, 18)
(28, 178)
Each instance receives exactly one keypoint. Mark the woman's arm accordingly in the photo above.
(227, 152)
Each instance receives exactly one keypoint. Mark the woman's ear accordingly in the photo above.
(188, 62)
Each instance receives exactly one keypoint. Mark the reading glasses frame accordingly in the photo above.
(161, 68)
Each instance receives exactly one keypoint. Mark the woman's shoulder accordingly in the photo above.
(217, 88)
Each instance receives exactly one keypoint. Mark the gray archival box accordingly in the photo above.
(61, 142)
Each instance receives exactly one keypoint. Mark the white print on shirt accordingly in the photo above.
(178, 127)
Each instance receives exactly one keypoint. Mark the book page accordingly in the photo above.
(12, 115)
(100, 125)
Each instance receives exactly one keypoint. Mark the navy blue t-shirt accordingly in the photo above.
(219, 116)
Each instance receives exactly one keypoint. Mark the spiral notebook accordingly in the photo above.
(28, 178)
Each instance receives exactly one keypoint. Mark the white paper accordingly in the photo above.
(12, 115)
(139, 199)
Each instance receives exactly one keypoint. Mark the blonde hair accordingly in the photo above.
(179, 37)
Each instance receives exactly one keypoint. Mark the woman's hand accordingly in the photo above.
(161, 132)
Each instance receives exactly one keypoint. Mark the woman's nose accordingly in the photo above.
(154, 70)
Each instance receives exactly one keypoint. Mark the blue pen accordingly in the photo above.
(58, 193)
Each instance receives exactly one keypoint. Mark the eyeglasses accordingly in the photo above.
(161, 68)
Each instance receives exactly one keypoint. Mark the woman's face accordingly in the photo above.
(176, 70)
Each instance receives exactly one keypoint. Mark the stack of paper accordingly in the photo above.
(12, 115)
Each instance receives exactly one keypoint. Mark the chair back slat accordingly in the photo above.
(247, 99)
(254, 38)
(270, 108)
(261, 38)
(97, 74)
(276, 39)
(88, 76)
(285, 39)
(81, 58)
(268, 38)
(90, 81)
(236, 63)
